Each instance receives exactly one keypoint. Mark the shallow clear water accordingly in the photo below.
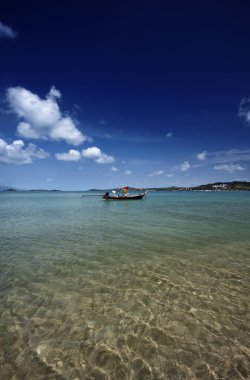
(151, 289)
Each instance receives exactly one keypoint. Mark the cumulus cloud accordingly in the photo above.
(17, 153)
(92, 152)
(156, 173)
(96, 154)
(230, 168)
(72, 155)
(169, 135)
(105, 159)
(185, 166)
(202, 156)
(114, 169)
(7, 32)
(244, 110)
(42, 118)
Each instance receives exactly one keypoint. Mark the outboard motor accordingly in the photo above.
(106, 195)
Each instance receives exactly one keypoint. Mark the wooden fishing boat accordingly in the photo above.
(126, 197)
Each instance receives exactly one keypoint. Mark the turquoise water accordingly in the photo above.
(150, 289)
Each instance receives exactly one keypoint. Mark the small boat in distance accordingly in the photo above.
(125, 197)
(122, 197)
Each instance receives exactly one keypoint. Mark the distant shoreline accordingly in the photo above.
(216, 186)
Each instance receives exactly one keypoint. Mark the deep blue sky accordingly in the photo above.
(159, 88)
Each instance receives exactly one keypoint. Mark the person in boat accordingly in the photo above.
(106, 195)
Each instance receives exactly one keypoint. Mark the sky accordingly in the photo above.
(98, 94)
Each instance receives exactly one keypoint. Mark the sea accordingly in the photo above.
(156, 289)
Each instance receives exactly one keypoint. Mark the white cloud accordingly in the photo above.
(65, 129)
(16, 153)
(33, 151)
(156, 173)
(42, 118)
(105, 159)
(244, 110)
(96, 154)
(54, 93)
(6, 31)
(169, 135)
(114, 169)
(230, 168)
(72, 155)
(25, 130)
(92, 152)
(128, 172)
(202, 156)
(185, 166)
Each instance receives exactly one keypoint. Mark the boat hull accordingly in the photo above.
(123, 198)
